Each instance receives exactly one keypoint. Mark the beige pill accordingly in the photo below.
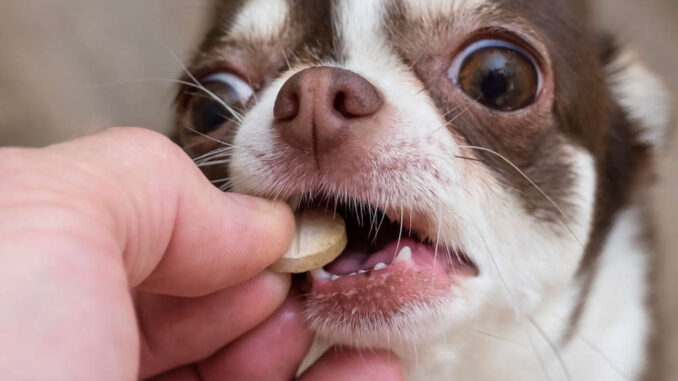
(319, 239)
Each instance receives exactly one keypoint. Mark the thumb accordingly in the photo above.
(181, 235)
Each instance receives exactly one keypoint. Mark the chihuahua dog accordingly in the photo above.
(489, 157)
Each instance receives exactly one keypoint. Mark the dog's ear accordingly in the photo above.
(640, 94)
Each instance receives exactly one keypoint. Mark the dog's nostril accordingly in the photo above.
(286, 107)
(355, 96)
(340, 105)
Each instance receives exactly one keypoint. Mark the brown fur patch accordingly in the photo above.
(626, 165)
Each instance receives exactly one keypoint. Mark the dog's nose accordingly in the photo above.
(316, 109)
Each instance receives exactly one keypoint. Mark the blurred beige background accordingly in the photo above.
(68, 67)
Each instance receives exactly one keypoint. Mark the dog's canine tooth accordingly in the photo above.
(405, 255)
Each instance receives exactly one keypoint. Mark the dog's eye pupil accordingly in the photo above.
(208, 110)
(209, 115)
(499, 77)
(494, 85)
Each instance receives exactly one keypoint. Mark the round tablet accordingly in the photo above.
(319, 239)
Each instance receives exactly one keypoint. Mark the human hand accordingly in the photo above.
(119, 260)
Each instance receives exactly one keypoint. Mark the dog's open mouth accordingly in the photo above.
(385, 256)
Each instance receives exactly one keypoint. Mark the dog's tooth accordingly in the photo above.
(321, 274)
(362, 271)
(380, 266)
(334, 277)
(404, 255)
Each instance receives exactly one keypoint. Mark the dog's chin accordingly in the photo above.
(388, 282)
(374, 313)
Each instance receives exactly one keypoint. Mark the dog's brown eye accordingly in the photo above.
(498, 74)
(226, 95)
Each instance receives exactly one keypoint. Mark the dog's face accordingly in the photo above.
(465, 142)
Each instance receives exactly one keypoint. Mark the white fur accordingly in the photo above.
(616, 321)
(261, 19)
(360, 22)
(427, 9)
(643, 95)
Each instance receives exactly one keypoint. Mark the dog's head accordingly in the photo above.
(478, 149)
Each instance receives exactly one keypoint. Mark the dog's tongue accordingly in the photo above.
(367, 248)
(408, 250)
(354, 260)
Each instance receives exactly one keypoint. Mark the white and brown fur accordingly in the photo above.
(547, 201)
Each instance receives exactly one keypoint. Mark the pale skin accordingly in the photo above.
(120, 261)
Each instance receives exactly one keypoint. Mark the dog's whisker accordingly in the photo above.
(199, 85)
(561, 213)
(509, 294)
(287, 61)
(552, 346)
(400, 234)
(220, 181)
(213, 163)
(496, 337)
(216, 156)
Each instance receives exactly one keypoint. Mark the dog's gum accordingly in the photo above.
(319, 239)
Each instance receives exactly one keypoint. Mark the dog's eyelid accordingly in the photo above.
(242, 89)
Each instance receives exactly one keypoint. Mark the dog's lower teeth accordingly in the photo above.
(404, 255)
(321, 274)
